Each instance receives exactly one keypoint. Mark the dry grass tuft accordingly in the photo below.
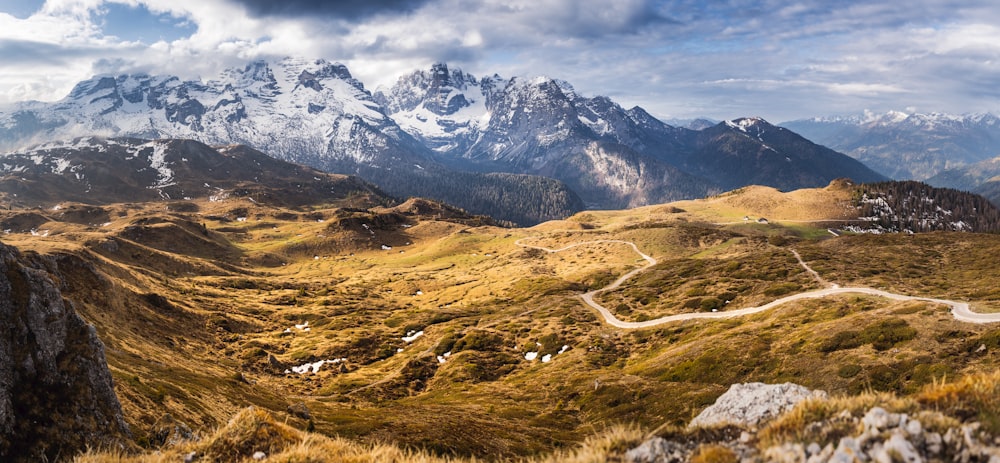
(713, 453)
(251, 430)
(601, 447)
(974, 396)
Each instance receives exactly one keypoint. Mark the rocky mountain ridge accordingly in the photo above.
(524, 150)
(96, 170)
(308, 112)
(612, 156)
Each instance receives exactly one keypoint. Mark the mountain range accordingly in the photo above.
(522, 150)
(612, 156)
(908, 146)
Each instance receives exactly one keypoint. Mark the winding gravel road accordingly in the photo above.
(960, 310)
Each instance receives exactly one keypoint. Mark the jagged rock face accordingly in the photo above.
(307, 111)
(612, 157)
(56, 392)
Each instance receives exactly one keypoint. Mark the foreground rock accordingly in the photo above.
(753, 403)
(56, 392)
(728, 430)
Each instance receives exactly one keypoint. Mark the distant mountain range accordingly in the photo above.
(908, 146)
(523, 150)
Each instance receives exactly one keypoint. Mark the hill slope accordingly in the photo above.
(102, 171)
(363, 321)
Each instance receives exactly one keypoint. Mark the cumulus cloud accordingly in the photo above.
(681, 58)
(342, 9)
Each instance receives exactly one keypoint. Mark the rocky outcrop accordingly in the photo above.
(890, 437)
(750, 404)
(732, 424)
(56, 392)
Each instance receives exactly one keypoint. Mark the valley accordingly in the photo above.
(396, 312)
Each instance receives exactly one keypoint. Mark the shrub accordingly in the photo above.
(883, 335)
(710, 303)
(479, 340)
(781, 289)
(843, 340)
(849, 370)
(887, 333)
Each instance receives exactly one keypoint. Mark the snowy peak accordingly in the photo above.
(755, 125)
(899, 119)
(444, 108)
(440, 90)
(309, 111)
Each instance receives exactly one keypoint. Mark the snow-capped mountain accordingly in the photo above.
(445, 109)
(612, 156)
(521, 149)
(309, 112)
(541, 126)
(332, 117)
(907, 145)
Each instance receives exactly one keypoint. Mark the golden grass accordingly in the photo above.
(207, 352)
(979, 393)
(713, 453)
(253, 430)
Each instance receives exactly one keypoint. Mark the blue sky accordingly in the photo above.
(686, 58)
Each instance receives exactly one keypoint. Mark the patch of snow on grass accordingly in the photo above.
(547, 358)
(314, 366)
(529, 356)
(412, 336)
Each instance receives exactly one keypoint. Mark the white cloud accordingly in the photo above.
(680, 58)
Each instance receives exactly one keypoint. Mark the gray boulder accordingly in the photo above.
(56, 392)
(750, 404)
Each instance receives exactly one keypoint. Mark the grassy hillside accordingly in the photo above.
(423, 317)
